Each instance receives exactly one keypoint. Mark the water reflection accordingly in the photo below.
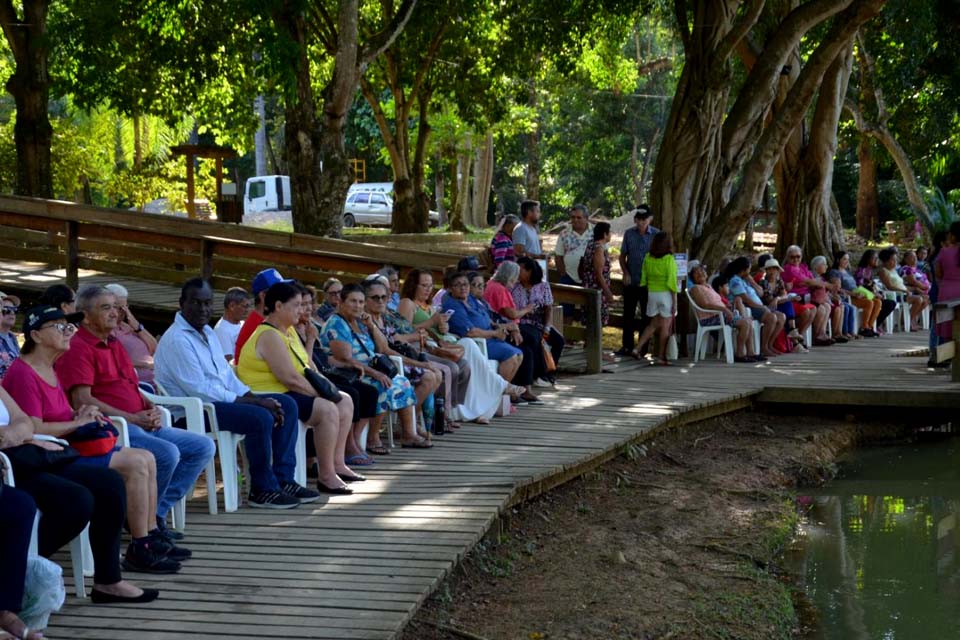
(880, 557)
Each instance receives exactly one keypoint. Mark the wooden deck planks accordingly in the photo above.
(359, 566)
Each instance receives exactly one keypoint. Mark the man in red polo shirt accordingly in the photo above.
(261, 282)
(97, 370)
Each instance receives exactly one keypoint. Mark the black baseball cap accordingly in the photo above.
(38, 316)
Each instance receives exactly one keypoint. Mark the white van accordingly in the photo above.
(267, 193)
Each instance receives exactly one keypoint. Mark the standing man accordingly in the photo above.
(572, 243)
(97, 370)
(236, 308)
(9, 347)
(526, 235)
(190, 362)
(570, 247)
(635, 246)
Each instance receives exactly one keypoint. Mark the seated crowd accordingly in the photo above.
(274, 359)
(344, 366)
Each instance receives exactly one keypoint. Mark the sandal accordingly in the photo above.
(358, 460)
(417, 444)
(378, 450)
(514, 390)
(483, 420)
(451, 425)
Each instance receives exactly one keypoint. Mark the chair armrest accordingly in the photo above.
(482, 345)
(398, 362)
(121, 426)
(192, 407)
(7, 469)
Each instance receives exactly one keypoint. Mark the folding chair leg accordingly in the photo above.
(211, 474)
(76, 558)
(300, 474)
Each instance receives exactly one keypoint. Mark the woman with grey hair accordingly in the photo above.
(497, 292)
(137, 341)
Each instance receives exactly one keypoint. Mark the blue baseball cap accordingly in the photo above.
(266, 279)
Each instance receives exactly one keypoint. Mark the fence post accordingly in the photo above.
(593, 338)
(206, 259)
(72, 254)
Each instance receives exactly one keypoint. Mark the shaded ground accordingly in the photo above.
(677, 539)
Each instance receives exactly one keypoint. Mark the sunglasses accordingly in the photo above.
(10, 311)
(377, 298)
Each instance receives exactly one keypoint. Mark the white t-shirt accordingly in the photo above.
(227, 332)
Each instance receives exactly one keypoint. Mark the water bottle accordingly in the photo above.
(439, 415)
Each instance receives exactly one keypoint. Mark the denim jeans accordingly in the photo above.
(271, 451)
(181, 455)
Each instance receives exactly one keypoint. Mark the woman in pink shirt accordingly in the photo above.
(801, 282)
(497, 292)
(37, 390)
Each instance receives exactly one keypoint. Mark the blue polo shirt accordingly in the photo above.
(466, 315)
(636, 246)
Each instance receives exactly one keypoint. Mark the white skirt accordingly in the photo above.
(485, 388)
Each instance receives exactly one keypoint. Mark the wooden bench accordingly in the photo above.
(948, 312)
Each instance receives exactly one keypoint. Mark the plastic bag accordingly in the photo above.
(43, 592)
(673, 351)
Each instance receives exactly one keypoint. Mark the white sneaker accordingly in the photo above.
(540, 382)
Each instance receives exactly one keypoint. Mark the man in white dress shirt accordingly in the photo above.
(190, 362)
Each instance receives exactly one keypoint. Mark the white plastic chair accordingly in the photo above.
(193, 409)
(482, 345)
(81, 555)
(724, 333)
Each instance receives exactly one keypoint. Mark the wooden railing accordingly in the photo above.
(949, 312)
(168, 249)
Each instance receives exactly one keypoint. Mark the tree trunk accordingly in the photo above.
(440, 189)
(645, 172)
(868, 208)
(457, 223)
(464, 165)
(533, 150)
(30, 87)
(482, 181)
(119, 155)
(710, 147)
(137, 143)
(806, 210)
(260, 138)
(302, 133)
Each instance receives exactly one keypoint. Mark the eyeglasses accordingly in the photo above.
(334, 292)
(377, 298)
(62, 327)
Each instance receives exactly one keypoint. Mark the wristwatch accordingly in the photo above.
(139, 328)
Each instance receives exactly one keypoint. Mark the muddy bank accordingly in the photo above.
(676, 539)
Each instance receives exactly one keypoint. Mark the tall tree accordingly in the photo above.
(26, 34)
(716, 158)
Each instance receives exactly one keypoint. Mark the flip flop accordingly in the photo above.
(358, 460)
(378, 450)
(417, 444)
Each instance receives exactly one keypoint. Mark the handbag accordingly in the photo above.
(378, 361)
(29, 458)
(324, 388)
(94, 438)
(549, 364)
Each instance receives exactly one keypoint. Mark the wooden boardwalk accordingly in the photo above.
(359, 566)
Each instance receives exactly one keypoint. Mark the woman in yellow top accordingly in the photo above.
(272, 361)
(659, 275)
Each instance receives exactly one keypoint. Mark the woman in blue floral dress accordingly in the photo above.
(351, 337)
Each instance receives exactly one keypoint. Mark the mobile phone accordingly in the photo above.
(448, 313)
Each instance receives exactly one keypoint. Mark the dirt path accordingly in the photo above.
(676, 540)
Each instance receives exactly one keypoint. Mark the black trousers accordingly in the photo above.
(633, 295)
(524, 375)
(532, 336)
(17, 511)
(364, 398)
(75, 495)
(886, 308)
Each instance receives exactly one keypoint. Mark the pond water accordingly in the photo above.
(879, 553)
